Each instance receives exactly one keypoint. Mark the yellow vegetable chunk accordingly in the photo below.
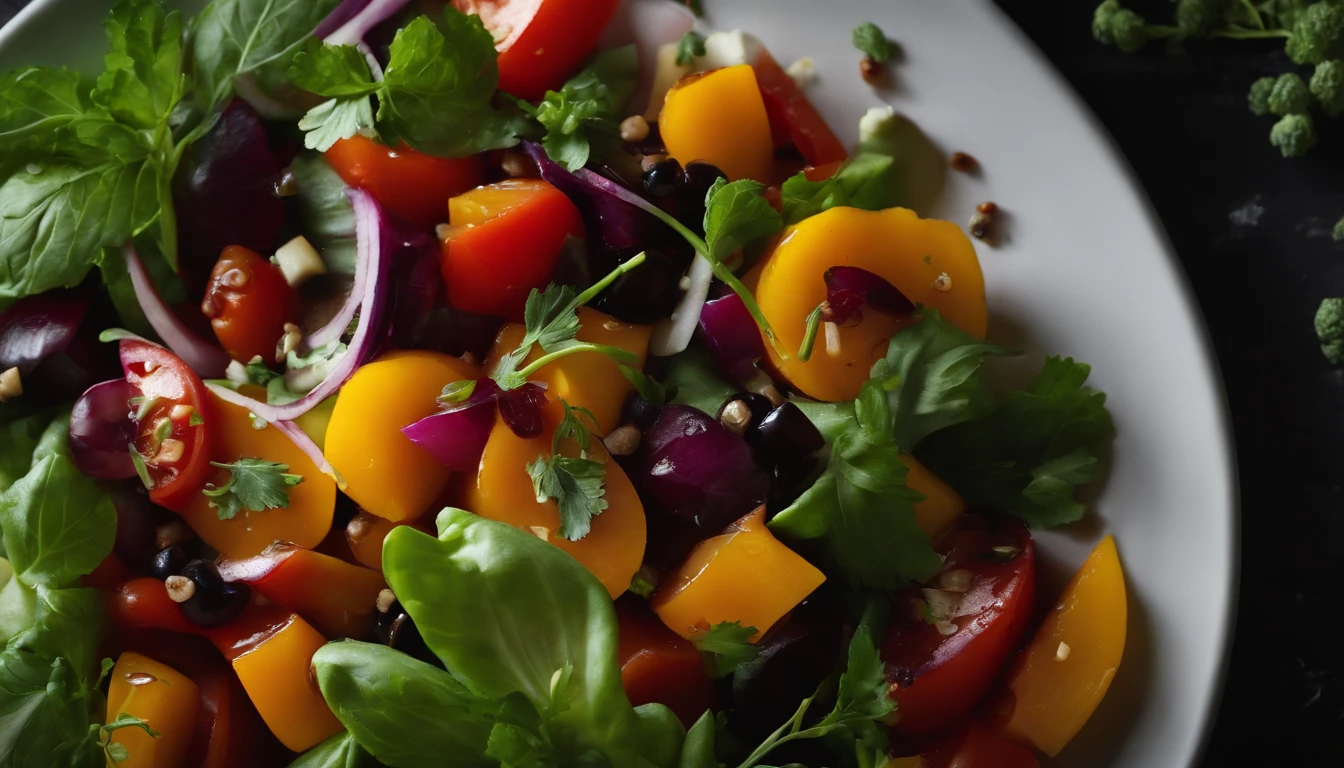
(613, 548)
(719, 117)
(941, 505)
(161, 696)
(277, 679)
(1063, 674)
(385, 473)
(744, 574)
(588, 379)
(304, 522)
(931, 262)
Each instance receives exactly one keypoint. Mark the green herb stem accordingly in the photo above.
(810, 333)
(616, 353)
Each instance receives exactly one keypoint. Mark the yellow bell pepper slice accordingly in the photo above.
(165, 699)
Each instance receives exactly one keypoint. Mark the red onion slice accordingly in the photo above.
(850, 288)
(649, 24)
(291, 430)
(351, 21)
(732, 337)
(206, 359)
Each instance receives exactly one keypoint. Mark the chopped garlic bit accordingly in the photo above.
(943, 282)
(832, 339)
(957, 580)
(11, 385)
(803, 71)
(236, 372)
(1062, 652)
(170, 451)
(541, 532)
(945, 628)
(299, 261)
(181, 412)
(288, 342)
(385, 600)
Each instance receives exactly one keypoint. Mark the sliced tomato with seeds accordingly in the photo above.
(249, 303)
(947, 643)
(173, 429)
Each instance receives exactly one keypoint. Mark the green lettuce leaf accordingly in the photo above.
(233, 38)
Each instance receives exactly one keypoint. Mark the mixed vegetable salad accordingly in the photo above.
(512, 383)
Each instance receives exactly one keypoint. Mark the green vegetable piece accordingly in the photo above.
(690, 47)
(725, 646)
(237, 38)
(1317, 34)
(1258, 99)
(1337, 234)
(577, 486)
(58, 524)
(1029, 453)
(254, 484)
(871, 41)
(1330, 329)
(340, 72)
(810, 328)
(698, 749)
(1198, 18)
(508, 612)
(1289, 95)
(1119, 27)
(583, 113)
(1327, 85)
(1294, 135)
(648, 388)
(339, 751)
(661, 734)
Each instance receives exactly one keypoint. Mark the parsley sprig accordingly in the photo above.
(575, 483)
(254, 484)
(551, 320)
(725, 646)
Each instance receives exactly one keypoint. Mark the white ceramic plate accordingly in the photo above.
(1085, 271)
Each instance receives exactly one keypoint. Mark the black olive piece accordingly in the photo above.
(700, 176)
(215, 602)
(396, 629)
(757, 408)
(664, 178)
(647, 293)
(169, 561)
(787, 476)
(638, 411)
(786, 432)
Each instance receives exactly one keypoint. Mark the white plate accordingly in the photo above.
(1086, 271)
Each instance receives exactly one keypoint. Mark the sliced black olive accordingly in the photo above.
(169, 561)
(214, 601)
(786, 432)
(664, 178)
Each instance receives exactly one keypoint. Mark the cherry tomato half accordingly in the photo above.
(248, 303)
(173, 428)
(410, 185)
(936, 678)
(540, 42)
(504, 240)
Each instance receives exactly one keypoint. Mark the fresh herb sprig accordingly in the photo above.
(726, 646)
(254, 485)
(576, 484)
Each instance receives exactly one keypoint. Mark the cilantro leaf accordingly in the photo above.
(869, 39)
(725, 646)
(583, 112)
(576, 484)
(862, 694)
(690, 47)
(235, 38)
(860, 507)
(254, 484)
(1029, 453)
(866, 181)
(736, 215)
(341, 73)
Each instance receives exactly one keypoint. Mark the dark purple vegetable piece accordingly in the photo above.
(100, 429)
(850, 288)
(638, 411)
(168, 561)
(521, 409)
(649, 292)
(733, 339)
(456, 436)
(794, 658)
(689, 466)
(225, 193)
(137, 523)
(418, 284)
(610, 221)
(37, 327)
(216, 602)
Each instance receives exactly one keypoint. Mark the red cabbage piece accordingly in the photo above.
(614, 223)
(101, 428)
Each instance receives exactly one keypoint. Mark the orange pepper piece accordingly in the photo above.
(588, 379)
(307, 518)
(335, 596)
(719, 117)
(931, 262)
(275, 673)
(612, 550)
(385, 473)
(165, 699)
(941, 505)
(744, 574)
(1061, 677)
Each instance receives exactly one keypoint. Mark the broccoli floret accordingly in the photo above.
(1289, 95)
(1330, 329)
(1337, 234)
(1317, 34)
(1198, 18)
(1259, 96)
(1294, 135)
(1120, 27)
(1327, 85)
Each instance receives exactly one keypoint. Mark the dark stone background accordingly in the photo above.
(1252, 231)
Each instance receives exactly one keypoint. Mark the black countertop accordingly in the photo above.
(1252, 230)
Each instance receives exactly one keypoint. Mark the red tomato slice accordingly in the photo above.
(174, 445)
(793, 119)
(540, 42)
(410, 185)
(248, 303)
(658, 665)
(937, 678)
(504, 240)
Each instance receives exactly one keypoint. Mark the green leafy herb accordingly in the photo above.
(58, 524)
(647, 387)
(1330, 329)
(640, 585)
(811, 326)
(690, 47)
(254, 485)
(141, 470)
(736, 215)
(583, 112)
(576, 483)
(860, 508)
(232, 39)
(870, 181)
(339, 751)
(1029, 453)
(436, 95)
(871, 41)
(196, 419)
(457, 391)
(725, 646)
(695, 380)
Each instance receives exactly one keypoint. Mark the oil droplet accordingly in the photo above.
(138, 679)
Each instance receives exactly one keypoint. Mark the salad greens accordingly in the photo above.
(872, 42)
(576, 483)
(725, 646)
(582, 116)
(254, 485)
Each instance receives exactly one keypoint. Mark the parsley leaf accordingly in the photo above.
(860, 507)
(254, 484)
(866, 181)
(691, 46)
(736, 215)
(1028, 454)
(576, 484)
(869, 39)
(726, 645)
(583, 112)
(649, 388)
(341, 72)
